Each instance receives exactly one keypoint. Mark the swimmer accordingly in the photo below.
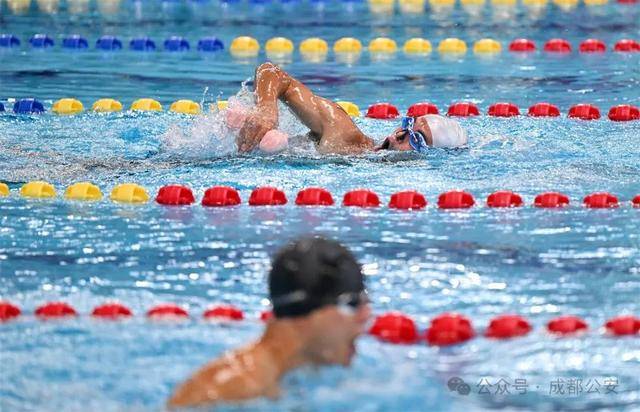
(331, 128)
(320, 307)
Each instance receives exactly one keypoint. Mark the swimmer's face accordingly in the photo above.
(399, 139)
(335, 331)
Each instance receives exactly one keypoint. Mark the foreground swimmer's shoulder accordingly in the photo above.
(237, 376)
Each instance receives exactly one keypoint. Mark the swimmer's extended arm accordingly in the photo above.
(337, 132)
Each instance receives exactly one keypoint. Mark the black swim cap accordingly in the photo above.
(311, 273)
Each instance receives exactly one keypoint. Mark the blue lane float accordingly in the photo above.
(41, 41)
(75, 42)
(1, 107)
(210, 44)
(28, 106)
(142, 44)
(108, 43)
(9, 40)
(176, 43)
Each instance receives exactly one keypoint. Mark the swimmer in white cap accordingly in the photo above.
(331, 128)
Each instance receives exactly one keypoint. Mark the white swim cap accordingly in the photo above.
(446, 132)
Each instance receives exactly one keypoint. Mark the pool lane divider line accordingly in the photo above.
(393, 327)
(315, 49)
(225, 196)
(381, 110)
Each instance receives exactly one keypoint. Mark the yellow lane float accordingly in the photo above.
(566, 4)
(442, 4)
(417, 45)
(129, 193)
(381, 6)
(314, 45)
(472, 3)
(185, 107)
(314, 49)
(84, 191)
(351, 108)
(383, 45)
(67, 106)
(244, 46)
(106, 106)
(146, 105)
(278, 46)
(412, 6)
(4, 189)
(452, 45)
(347, 45)
(38, 189)
(486, 46)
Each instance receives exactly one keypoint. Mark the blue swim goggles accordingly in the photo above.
(416, 139)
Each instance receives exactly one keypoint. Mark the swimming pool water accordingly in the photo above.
(481, 262)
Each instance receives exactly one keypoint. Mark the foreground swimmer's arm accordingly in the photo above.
(336, 131)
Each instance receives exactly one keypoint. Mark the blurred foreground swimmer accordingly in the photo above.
(320, 308)
(332, 129)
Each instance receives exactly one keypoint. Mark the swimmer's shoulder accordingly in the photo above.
(236, 376)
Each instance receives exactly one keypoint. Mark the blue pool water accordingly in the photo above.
(481, 262)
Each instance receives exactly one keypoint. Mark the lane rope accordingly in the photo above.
(225, 196)
(393, 327)
(381, 110)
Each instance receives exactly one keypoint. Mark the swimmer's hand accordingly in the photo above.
(274, 141)
(257, 124)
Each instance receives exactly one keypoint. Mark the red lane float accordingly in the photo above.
(557, 46)
(504, 110)
(522, 46)
(456, 199)
(361, 198)
(382, 111)
(175, 195)
(55, 310)
(507, 326)
(463, 109)
(624, 113)
(544, 110)
(421, 109)
(408, 200)
(168, 310)
(224, 312)
(8, 311)
(218, 196)
(627, 46)
(551, 200)
(593, 46)
(111, 311)
(449, 329)
(567, 325)
(504, 198)
(636, 201)
(266, 315)
(601, 200)
(584, 112)
(314, 196)
(267, 196)
(623, 325)
(394, 327)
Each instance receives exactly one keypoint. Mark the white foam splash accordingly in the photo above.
(208, 136)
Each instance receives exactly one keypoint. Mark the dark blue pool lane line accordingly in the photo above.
(112, 43)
